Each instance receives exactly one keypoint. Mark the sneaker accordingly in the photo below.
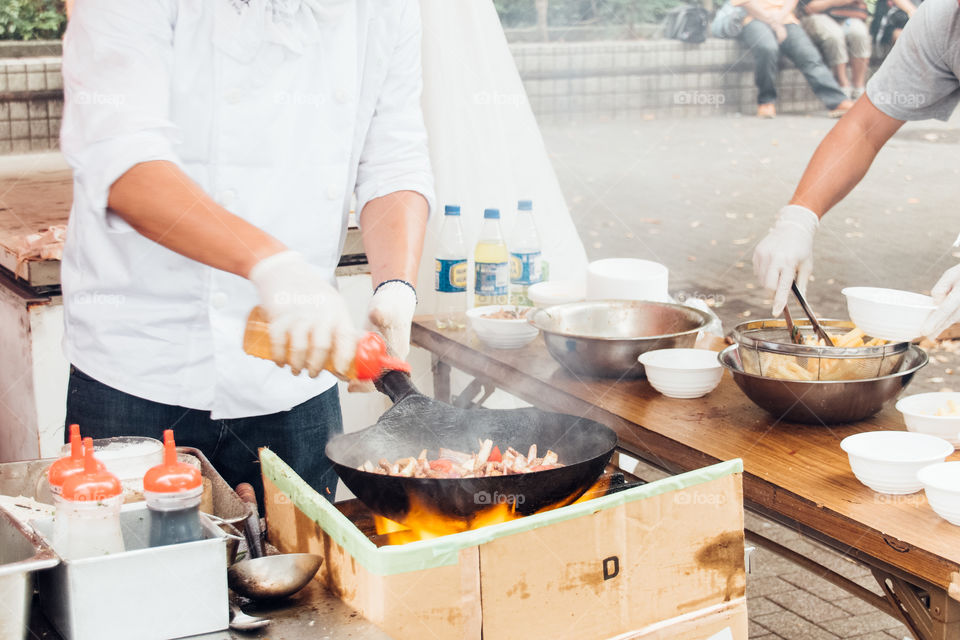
(767, 111)
(857, 92)
(847, 91)
(841, 109)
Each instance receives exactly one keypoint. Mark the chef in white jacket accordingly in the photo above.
(216, 147)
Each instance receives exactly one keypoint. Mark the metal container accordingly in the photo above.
(21, 552)
(823, 401)
(604, 338)
(766, 346)
(146, 593)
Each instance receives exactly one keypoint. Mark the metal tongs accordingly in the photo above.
(795, 336)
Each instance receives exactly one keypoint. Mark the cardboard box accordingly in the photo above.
(663, 560)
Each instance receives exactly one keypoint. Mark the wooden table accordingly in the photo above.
(794, 474)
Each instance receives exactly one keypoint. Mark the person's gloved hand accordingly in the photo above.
(391, 313)
(786, 253)
(946, 295)
(306, 312)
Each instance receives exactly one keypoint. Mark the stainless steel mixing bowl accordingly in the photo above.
(823, 401)
(604, 338)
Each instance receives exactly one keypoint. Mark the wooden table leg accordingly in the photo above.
(929, 612)
(441, 379)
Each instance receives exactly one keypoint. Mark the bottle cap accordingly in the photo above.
(372, 360)
(94, 482)
(525, 205)
(491, 214)
(451, 210)
(171, 476)
(69, 464)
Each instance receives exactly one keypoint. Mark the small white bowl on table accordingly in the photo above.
(682, 373)
(890, 314)
(941, 482)
(920, 414)
(888, 461)
(501, 333)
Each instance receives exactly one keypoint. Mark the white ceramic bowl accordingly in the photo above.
(942, 485)
(888, 461)
(682, 373)
(501, 333)
(890, 314)
(554, 292)
(919, 414)
(627, 279)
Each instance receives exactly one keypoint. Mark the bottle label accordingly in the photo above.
(493, 278)
(451, 276)
(525, 268)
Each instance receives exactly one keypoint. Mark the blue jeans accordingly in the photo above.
(298, 436)
(759, 38)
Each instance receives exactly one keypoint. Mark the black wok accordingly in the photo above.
(416, 422)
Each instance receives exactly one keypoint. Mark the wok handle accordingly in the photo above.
(396, 385)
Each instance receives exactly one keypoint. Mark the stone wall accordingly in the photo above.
(31, 101)
(563, 80)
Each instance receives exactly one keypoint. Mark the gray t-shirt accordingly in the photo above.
(919, 79)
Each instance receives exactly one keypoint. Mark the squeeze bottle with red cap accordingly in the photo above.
(172, 490)
(87, 519)
(68, 465)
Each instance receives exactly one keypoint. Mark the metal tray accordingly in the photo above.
(145, 593)
(21, 553)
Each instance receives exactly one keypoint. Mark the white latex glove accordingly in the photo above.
(391, 313)
(786, 253)
(946, 295)
(306, 312)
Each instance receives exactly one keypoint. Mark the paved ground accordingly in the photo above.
(697, 195)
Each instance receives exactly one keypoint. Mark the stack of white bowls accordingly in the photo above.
(627, 279)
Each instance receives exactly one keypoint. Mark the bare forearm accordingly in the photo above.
(844, 157)
(164, 204)
(819, 6)
(393, 230)
(906, 6)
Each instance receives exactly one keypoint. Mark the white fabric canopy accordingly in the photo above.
(485, 146)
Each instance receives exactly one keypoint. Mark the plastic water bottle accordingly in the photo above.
(526, 260)
(491, 263)
(450, 283)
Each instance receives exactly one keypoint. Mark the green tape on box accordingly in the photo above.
(444, 551)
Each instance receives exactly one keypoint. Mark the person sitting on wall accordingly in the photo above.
(770, 27)
(839, 29)
(889, 19)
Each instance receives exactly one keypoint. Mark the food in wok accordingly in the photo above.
(487, 462)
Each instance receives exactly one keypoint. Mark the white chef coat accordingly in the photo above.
(279, 109)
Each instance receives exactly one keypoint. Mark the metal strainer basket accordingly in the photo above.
(766, 350)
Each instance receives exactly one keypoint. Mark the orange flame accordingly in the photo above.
(422, 522)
